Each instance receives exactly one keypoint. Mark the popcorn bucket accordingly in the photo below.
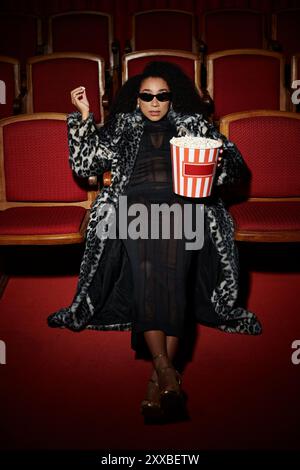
(194, 163)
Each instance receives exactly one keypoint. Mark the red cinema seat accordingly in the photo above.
(50, 78)
(164, 29)
(233, 29)
(41, 201)
(134, 62)
(244, 79)
(270, 144)
(94, 34)
(20, 36)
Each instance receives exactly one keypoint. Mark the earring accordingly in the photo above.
(137, 106)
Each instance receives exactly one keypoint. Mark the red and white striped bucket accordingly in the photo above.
(194, 162)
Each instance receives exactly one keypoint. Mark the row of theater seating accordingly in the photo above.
(93, 32)
(237, 80)
(43, 203)
(23, 36)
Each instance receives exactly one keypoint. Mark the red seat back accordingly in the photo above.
(94, 34)
(270, 145)
(47, 93)
(20, 35)
(163, 29)
(36, 167)
(135, 62)
(233, 29)
(240, 80)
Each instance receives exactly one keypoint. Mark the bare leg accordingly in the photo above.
(163, 349)
(159, 343)
(156, 341)
(172, 346)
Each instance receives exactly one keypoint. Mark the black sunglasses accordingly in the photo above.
(163, 96)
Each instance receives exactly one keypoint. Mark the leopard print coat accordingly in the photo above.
(115, 147)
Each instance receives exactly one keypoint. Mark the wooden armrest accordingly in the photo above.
(275, 45)
(41, 49)
(128, 47)
(107, 178)
(209, 103)
(202, 46)
(105, 101)
(18, 103)
(93, 180)
(115, 46)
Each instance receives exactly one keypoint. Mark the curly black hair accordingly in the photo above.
(185, 96)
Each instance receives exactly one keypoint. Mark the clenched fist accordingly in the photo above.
(80, 101)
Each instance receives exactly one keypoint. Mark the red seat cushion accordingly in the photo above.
(266, 216)
(41, 220)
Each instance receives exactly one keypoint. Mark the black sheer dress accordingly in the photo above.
(160, 267)
(156, 284)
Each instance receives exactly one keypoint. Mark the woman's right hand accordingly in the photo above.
(80, 101)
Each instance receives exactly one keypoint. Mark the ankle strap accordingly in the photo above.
(159, 355)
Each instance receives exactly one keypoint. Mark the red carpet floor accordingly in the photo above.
(65, 390)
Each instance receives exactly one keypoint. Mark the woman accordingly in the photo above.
(152, 286)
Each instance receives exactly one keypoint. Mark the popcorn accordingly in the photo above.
(195, 142)
(194, 162)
